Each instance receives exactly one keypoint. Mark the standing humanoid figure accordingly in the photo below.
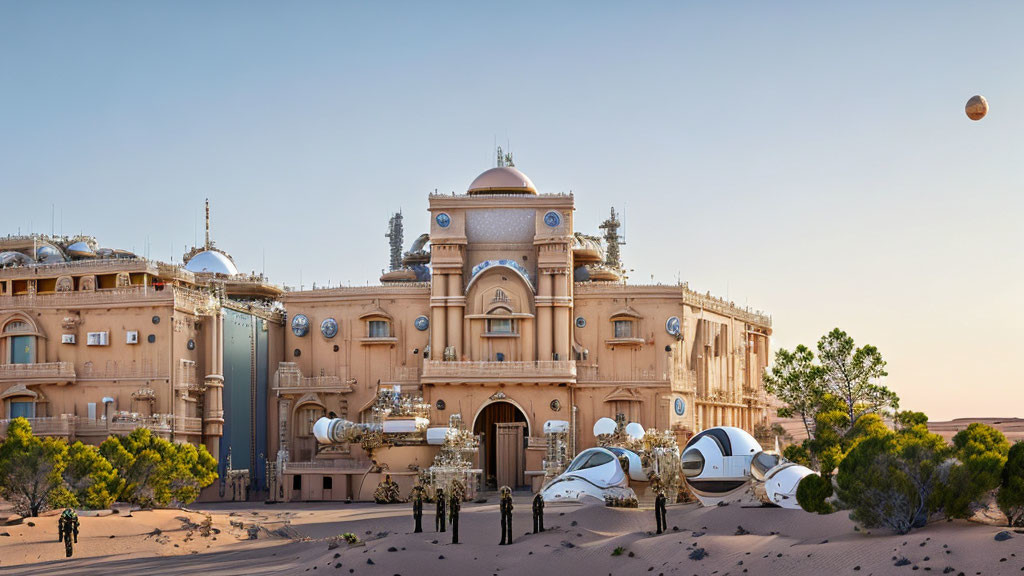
(454, 506)
(417, 507)
(67, 528)
(506, 515)
(538, 513)
(439, 519)
(659, 511)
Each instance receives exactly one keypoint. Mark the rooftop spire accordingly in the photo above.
(207, 244)
(395, 236)
(612, 240)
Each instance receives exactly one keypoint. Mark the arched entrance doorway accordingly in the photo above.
(502, 426)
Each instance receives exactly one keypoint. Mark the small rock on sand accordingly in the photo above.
(1003, 536)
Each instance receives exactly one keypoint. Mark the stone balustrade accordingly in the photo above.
(61, 371)
(557, 371)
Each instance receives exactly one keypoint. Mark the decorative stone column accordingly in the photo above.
(456, 304)
(438, 316)
(544, 328)
(561, 312)
(213, 416)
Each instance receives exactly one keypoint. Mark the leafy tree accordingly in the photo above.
(851, 375)
(797, 453)
(980, 453)
(157, 472)
(30, 468)
(813, 493)
(909, 419)
(893, 479)
(1010, 497)
(90, 478)
(795, 379)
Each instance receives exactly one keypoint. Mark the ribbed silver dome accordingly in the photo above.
(211, 262)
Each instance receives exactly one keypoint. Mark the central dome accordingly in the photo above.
(502, 180)
(211, 261)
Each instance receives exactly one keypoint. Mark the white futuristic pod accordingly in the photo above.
(338, 430)
(594, 472)
(721, 462)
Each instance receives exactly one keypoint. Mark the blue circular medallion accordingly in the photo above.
(581, 322)
(553, 219)
(672, 326)
(443, 220)
(300, 325)
(422, 323)
(680, 407)
(329, 328)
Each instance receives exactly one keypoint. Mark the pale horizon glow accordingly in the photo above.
(810, 160)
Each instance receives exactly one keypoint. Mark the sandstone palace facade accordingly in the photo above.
(505, 313)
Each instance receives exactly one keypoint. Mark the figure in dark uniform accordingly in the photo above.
(538, 513)
(506, 515)
(453, 512)
(67, 528)
(659, 511)
(439, 519)
(417, 507)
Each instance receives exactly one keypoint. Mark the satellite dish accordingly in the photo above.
(977, 107)
(635, 431)
(605, 426)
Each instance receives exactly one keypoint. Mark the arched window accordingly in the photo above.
(21, 347)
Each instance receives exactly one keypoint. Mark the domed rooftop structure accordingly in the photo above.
(502, 180)
(211, 262)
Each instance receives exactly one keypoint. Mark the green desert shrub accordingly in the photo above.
(979, 453)
(893, 480)
(157, 472)
(813, 493)
(90, 478)
(1010, 497)
(31, 469)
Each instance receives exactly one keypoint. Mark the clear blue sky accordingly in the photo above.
(808, 159)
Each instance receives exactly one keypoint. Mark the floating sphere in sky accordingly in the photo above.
(976, 107)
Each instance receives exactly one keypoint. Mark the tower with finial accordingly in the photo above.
(395, 237)
(206, 245)
(612, 240)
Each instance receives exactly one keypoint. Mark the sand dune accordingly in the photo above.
(581, 540)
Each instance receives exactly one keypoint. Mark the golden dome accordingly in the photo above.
(502, 180)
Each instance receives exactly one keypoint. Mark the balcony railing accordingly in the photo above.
(333, 464)
(70, 426)
(55, 426)
(559, 371)
(291, 380)
(62, 371)
(593, 373)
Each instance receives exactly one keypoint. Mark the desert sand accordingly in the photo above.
(298, 539)
(1013, 428)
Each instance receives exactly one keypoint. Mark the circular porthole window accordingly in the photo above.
(329, 328)
(443, 220)
(672, 326)
(553, 219)
(422, 323)
(300, 325)
(297, 353)
(151, 338)
(191, 344)
(556, 405)
(440, 405)
(581, 322)
(680, 406)
(156, 319)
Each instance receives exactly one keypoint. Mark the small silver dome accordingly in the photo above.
(211, 262)
(80, 250)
